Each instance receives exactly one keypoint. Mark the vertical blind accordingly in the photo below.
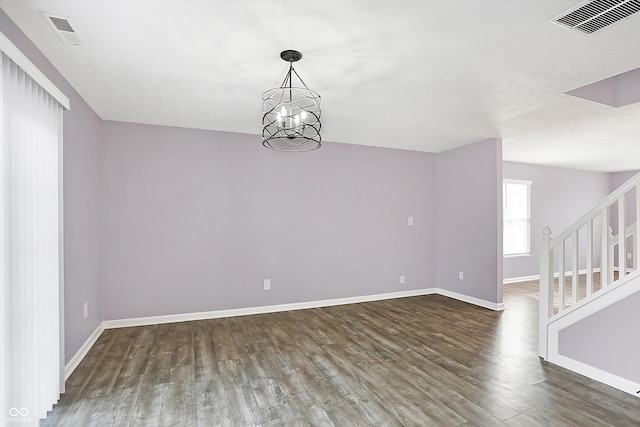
(30, 189)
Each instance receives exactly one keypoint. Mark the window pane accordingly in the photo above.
(516, 233)
(516, 196)
(516, 237)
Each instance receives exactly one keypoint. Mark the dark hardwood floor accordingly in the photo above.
(421, 361)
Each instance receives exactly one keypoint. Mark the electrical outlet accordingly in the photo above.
(402, 280)
(460, 275)
(410, 220)
(86, 309)
(629, 256)
(267, 284)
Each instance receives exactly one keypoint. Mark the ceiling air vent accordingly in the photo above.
(64, 29)
(593, 15)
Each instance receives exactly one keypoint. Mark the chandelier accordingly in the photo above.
(291, 113)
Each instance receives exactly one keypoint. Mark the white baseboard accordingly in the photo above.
(82, 352)
(537, 276)
(171, 318)
(471, 300)
(186, 317)
(521, 279)
(596, 374)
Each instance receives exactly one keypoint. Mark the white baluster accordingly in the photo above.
(561, 276)
(622, 238)
(546, 290)
(604, 251)
(636, 255)
(634, 240)
(610, 256)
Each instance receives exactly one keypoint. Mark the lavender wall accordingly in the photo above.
(81, 200)
(469, 220)
(195, 220)
(559, 196)
(607, 340)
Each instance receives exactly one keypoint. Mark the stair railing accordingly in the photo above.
(561, 256)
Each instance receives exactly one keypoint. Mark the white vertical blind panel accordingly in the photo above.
(4, 291)
(561, 277)
(574, 275)
(29, 137)
(589, 257)
(636, 254)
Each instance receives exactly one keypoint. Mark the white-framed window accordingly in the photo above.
(516, 217)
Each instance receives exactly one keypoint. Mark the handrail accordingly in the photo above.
(593, 212)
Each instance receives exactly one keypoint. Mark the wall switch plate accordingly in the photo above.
(628, 256)
(402, 280)
(86, 309)
(460, 275)
(410, 220)
(267, 284)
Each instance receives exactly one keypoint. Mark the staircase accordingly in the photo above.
(588, 267)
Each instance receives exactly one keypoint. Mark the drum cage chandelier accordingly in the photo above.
(291, 113)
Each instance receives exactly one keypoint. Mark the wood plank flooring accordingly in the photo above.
(421, 361)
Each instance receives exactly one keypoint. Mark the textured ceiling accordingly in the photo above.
(411, 74)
